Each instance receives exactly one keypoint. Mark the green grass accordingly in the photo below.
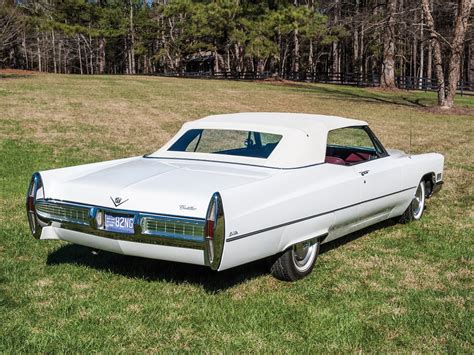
(390, 288)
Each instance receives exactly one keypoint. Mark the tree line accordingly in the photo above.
(429, 39)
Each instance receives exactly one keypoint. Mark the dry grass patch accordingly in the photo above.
(44, 283)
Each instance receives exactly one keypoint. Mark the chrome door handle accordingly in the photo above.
(363, 173)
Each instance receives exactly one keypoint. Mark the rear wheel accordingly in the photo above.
(296, 262)
(417, 205)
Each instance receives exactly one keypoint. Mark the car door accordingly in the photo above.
(380, 179)
(377, 176)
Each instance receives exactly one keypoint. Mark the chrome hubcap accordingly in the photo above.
(418, 202)
(304, 255)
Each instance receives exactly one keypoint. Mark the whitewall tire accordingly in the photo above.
(296, 262)
(417, 205)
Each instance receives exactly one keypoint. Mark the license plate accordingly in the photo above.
(120, 224)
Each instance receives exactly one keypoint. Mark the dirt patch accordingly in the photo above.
(457, 111)
(17, 72)
(281, 82)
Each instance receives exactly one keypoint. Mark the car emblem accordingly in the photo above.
(118, 201)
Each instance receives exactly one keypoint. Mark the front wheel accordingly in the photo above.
(416, 207)
(296, 262)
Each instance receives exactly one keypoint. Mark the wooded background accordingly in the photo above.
(427, 42)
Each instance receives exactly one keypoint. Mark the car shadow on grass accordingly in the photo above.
(165, 271)
(157, 270)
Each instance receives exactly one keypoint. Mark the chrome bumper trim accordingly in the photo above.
(148, 227)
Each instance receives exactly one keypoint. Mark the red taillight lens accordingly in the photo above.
(210, 228)
(30, 203)
(35, 184)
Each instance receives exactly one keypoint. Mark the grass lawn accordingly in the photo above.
(390, 288)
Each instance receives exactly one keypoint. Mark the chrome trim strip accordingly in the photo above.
(137, 238)
(313, 216)
(44, 211)
(193, 231)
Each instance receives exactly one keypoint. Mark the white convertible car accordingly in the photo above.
(230, 189)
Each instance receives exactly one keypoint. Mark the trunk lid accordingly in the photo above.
(175, 187)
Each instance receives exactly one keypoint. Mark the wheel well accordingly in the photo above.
(429, 180)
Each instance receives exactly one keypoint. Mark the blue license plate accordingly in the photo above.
(120, 224)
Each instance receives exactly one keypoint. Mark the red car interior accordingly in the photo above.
(352, 158)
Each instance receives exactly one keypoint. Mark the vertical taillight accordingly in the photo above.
(35, 185)
(215, 232)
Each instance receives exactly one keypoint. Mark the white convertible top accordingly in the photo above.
(303, 140)
(300, 121)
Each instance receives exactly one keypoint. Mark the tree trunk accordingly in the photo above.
(470, 61)
(79, 53)
(355, 41)
(55, 67)
(387, 79)
(40, 68)
(446, 92)
(296, 48)
(239, 57)
(335, 50)
(415, 54)
(44, 39)
(132, 41)
(429, 59)
(336, 59)
(437, 59)
(25, 51)
(66, 53)
(310, 5)
(429, 63)
(60, 45)
(362, 69)
(216, 62)
(355, 49)
(422, 54)
(281, 52)
(296, 52)
(91, 52)
(101, 55)
(457, 46)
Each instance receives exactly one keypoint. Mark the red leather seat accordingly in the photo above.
(355, 158)
(334, 160)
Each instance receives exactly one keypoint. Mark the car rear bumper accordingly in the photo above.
(126, 247)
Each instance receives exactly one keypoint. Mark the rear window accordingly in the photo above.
(228, 142)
